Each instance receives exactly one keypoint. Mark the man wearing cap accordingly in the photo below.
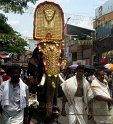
(75, 90)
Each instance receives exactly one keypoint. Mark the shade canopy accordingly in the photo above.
(73, 67)
(109, 66)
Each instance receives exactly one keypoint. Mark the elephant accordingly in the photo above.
(45, 77)
(44, 65)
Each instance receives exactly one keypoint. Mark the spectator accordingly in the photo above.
(14, 98)
(75, 90)
(90, 75)
(99, 97)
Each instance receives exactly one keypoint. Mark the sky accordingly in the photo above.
(82, 13)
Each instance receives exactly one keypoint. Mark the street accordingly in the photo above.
(55, 48)
(62, 119)
(39, 116)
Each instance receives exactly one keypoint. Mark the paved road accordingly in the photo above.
(61, 120)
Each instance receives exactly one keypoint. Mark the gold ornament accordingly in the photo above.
(51, 55)
(53, 85)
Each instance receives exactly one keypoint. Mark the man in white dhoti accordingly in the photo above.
(99, 96)
(14, 96)
(75, 90)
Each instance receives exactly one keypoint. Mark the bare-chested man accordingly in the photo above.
(75, 90)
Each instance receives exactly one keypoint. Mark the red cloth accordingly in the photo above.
(5, 77)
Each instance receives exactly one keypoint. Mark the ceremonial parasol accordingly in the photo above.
(109, 66)
(73, 67)
(90, 67)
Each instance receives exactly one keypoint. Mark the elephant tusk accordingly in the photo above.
(61, 78)
(43, 80)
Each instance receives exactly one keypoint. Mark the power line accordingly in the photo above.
(74, 18)
(31, 10)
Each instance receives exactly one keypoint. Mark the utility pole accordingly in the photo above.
(65, 34)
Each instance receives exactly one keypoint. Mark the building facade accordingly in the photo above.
(103, 25)
(78, 44)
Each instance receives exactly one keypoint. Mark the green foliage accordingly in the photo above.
(6, 31)
(7, 44)
(15, 5)
(3, 18)
(7, 35)
(4, 27)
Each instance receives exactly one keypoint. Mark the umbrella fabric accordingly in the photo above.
(109, 66)
(1, 70)
(89, 67)
(73, 67)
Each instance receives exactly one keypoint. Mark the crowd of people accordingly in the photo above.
(89, 95)
(88, 92)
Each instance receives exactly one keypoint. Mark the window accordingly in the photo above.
(74, 56)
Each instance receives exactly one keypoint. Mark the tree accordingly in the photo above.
(10, 40)
(8, 44)
(7, 34)
(4, 27)
(15, 5)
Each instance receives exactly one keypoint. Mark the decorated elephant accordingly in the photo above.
(44, 65)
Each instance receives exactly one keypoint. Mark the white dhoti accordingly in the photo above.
(17, 119)
(101, 112)
(73, 119)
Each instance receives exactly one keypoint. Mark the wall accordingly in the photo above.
(87, 53)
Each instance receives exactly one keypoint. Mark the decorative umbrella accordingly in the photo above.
(90, 67)
(109, 66)
(73, 67)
